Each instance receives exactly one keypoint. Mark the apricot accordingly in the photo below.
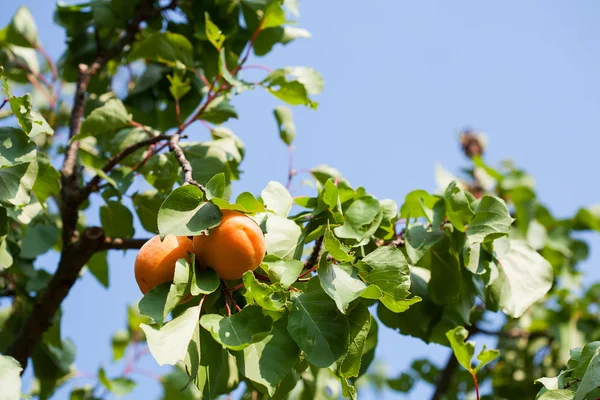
(155, 262)
(235, 246)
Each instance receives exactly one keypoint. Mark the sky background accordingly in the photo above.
(401, 80)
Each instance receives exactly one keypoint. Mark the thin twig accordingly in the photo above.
(53, 69)
(122, 244)
(183, 161)
(92, 185)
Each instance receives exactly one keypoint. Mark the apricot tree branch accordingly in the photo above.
(122, 244)
(92, 185)
(75, 254)
(50, 299)
(185, 164)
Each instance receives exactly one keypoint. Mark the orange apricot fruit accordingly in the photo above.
(155, 262)
(235, 246)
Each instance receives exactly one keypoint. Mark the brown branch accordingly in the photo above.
(188, 179)
(92, 185)
(75, 254)
(122, 244)
(50, 299)
(445, 378)
(313, 260)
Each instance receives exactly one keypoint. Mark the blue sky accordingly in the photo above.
(402, 79)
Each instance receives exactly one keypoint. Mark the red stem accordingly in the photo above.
(36, 83)
(476, 385)
(48, 59)
(256, 66)
(178, 114)
(142, 127)
(302, 275)
(241, 285)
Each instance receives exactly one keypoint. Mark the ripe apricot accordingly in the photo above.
(235, 246)
(155, 262)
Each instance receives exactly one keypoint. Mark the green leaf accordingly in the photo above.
(282, 236)
(205, 281)
(590, 380)
(420, 240)
(486, 356)
(269, 297)
(162, 299)
(38, 240)
(216, 186)
(32, 122)
(47, 182)
(340, 282)
(213, 33)
(185, 214)
(273, 15)
(179, 87)
(176, 387)
(444, 264)
(249, 203)
(22, 30)
(277, 198)
(491, 221)
(98, 266)
(360, 324)
(15, 147)
(463, 351)
(241, 329)
(16, 183)
(6, 259)
(387, 273)
(117, 220)
(560, 394)
(118, 386)
(164, 47)
(294, 91)
(267, 362)
(284, 272)
(285, 124)
(120, 340)
(168, 344)
(362, 218)
(458, 206)
(335, 248)
(10, 378)
(239, 84)
(219, 111)
(519, 279)
(147, 205)
(318, 327)
(111, 117)
(330, 195)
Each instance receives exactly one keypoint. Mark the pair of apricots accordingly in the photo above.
(235, 246)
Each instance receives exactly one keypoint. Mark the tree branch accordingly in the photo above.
(445, 378)
(92, 185)
(74, 254)
(185, 164)
(122, 244)
(50, 299)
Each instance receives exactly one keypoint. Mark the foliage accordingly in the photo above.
(338, 263)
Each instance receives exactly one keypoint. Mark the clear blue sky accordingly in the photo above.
(402, 78)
